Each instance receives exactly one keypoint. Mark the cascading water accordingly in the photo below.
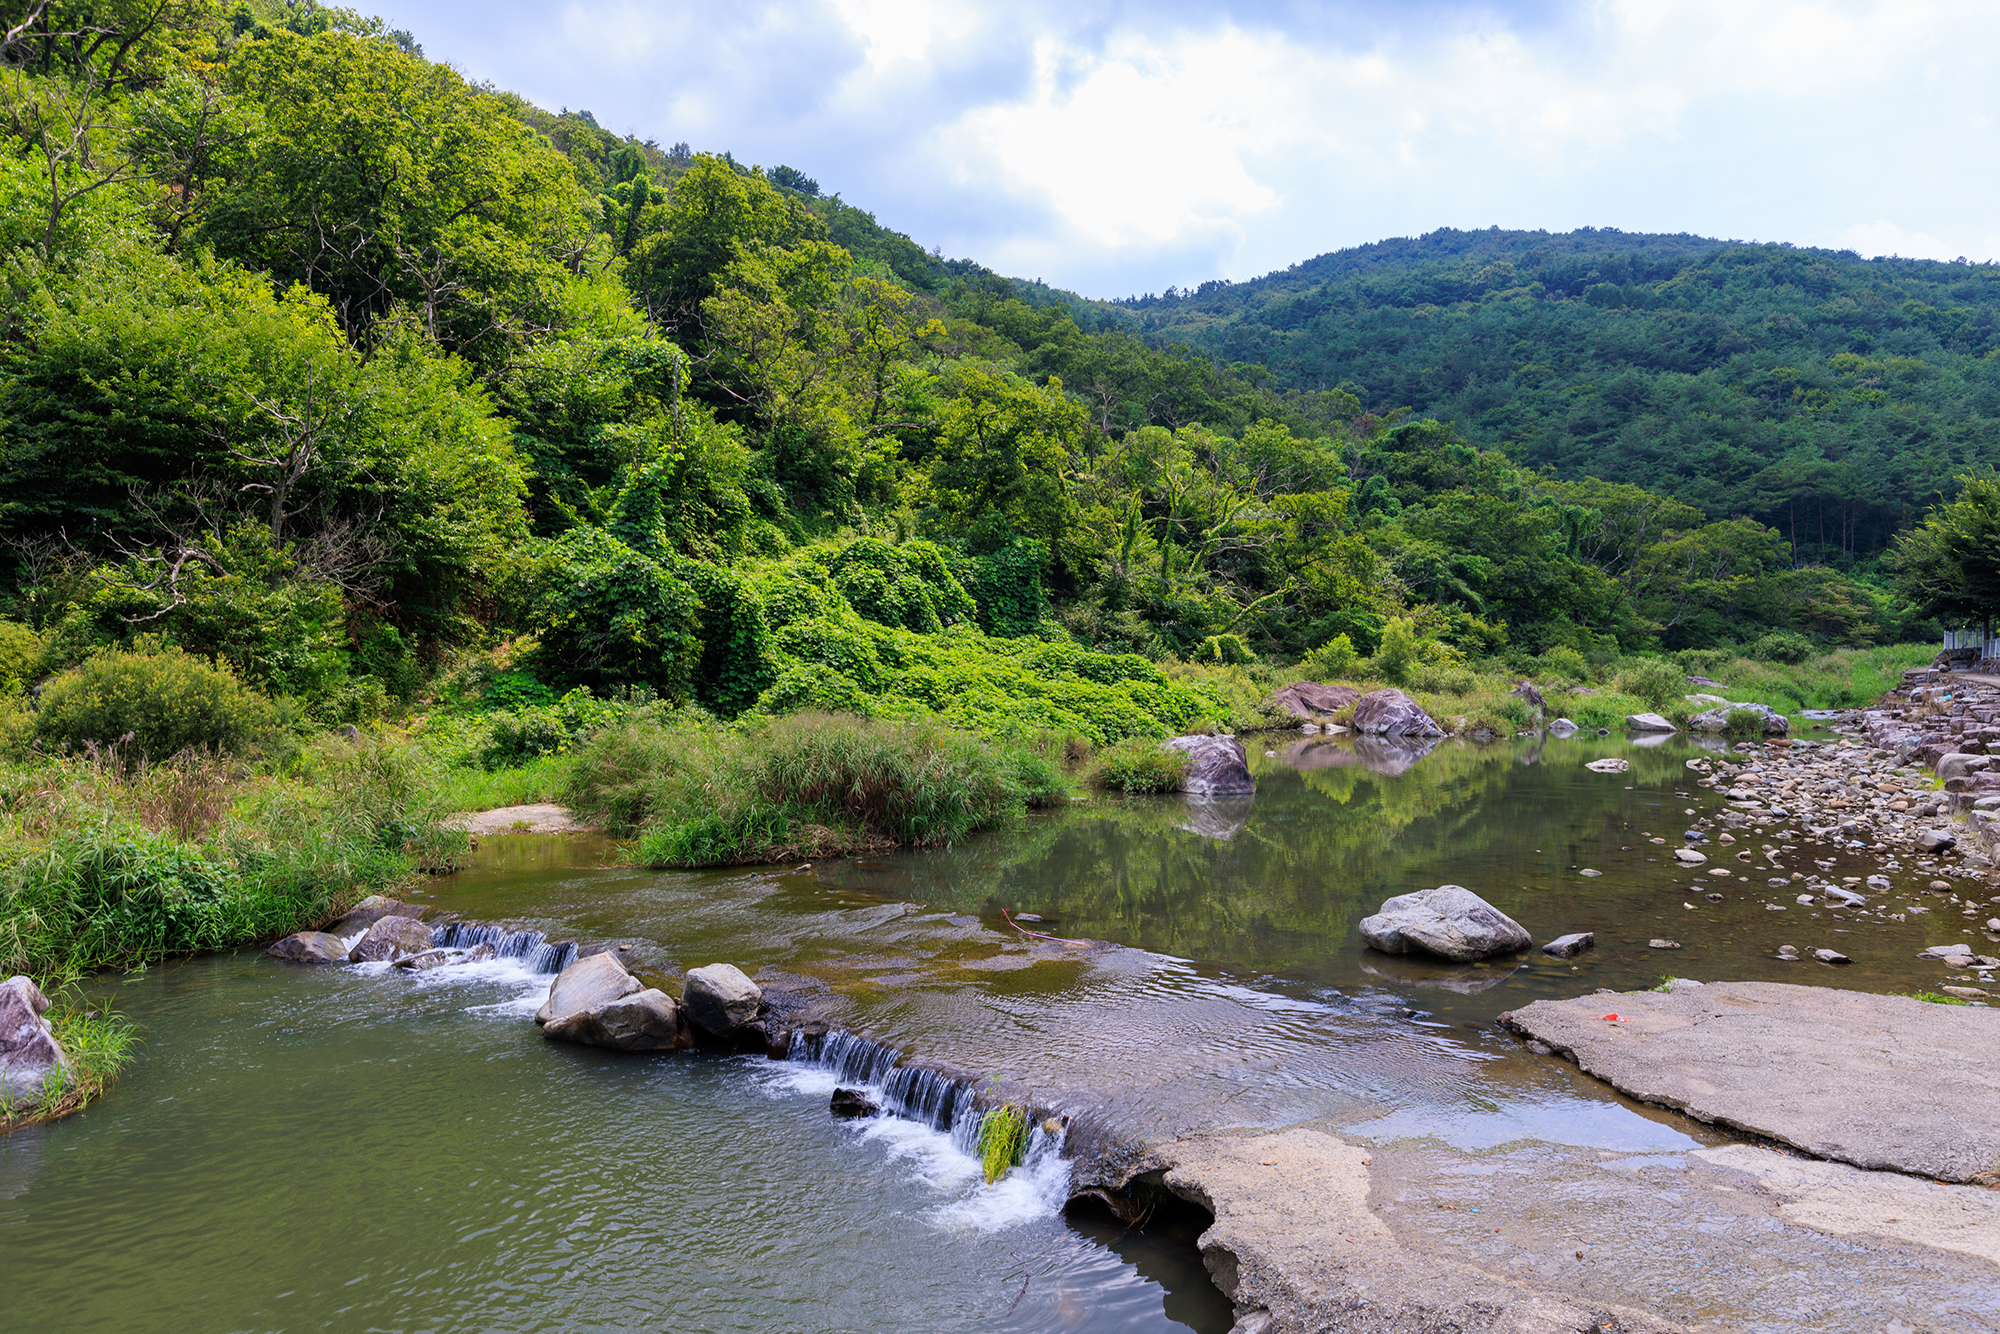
(533, 948)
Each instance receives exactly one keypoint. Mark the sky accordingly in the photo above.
(1121, 148)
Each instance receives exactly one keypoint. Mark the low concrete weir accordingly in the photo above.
(533, 948)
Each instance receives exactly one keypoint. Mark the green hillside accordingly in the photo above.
(1828, 396)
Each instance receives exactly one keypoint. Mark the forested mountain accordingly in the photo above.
(1831, 397)
(322, 362)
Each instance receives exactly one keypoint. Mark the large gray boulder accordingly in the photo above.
(372, 910)
(29, 1052)
(643, 1021)
(1648, 722)
(391, 938)
(310, 947)
(1717, 719)
(1311, 702)
(1219, 766)
(1450, 921)
(590, 983)
(721, 1000)
(1392, 713)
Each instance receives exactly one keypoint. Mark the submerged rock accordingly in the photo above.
(1392, 713)
(1571, 945)
(1450, 921)
(588, 984)
(29, 1052)
(310, 947)
(852, 1103)
(721, 1000)
(1219, 766)
(1610, 764)
(429, 959)
(391, 938)
(1310, 701)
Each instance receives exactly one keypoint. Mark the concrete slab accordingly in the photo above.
(1882, 1082)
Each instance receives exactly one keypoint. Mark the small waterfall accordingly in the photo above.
(536, 950)
(945, 1103)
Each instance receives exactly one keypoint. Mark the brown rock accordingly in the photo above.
(1392, 713)
(1312, 702)
(391, 938)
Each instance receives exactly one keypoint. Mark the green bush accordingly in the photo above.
(1655, 680)
(1786, 646)
(1563, 663)
(1139, 764)
(1441, 679)
(1333, 660)
(520, 735)
(607, 615)
(166, 700)
(1399, 653)
(1229, 650)
(20, 650)
(1743, 725)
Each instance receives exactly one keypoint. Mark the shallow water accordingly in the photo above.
(359, 1149)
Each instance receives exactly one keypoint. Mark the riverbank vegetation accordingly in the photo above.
(375, 445)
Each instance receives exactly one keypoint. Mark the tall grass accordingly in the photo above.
(807, 785)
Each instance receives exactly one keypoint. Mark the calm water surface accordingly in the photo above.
(354, 1149)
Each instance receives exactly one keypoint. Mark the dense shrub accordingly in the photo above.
(1563, 663)
(1786, 646)
(607, 615)
(1655, 680)
(166, 700)
(1399, 652)
(1227, 649)
(20, 648)
(1140, 764)
(520, 735)
(1331, 661)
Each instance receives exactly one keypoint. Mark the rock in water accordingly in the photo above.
(642, 1021)
(423, 963)
(1392, 713)
(1610, 764)
(1310, 702)
(372, 910)
(1935, 840)
(1571, 945)
(588, 984)
(391, 938)
(1450, 921)
(1831, 956)
(1219, 767)
(310, 947)
(29, 1052)
(1717, 720)
(1562, 727)
(1689, 857)
(851, 1103)
(721, 1000)
(1648, 722)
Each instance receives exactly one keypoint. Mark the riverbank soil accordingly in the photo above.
(1883, 1082)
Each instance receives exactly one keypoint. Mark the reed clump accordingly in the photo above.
(806, 785)
(1139, 764)
(1003, 1140)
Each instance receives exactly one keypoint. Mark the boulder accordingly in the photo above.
(1610, 764)
(29, 1052)
(372, 910)
(1219, 767)
(1836, 897)
(1392, 713)
(1935, 840)
(641, 1021)
(391, 938)
(1312, 702)
(1831, 956)
(590, 983)
(721, 1000)
(1562, 727)
(423, 963)
(1648, 722)
(851, 1103)
(1959, 763)
(1450, 921)
(310, 947)
(1689, 857)
(1717, 720)
(1571, 945)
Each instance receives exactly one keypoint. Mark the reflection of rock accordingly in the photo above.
(1219, 818)
(1391, 755)
(1313, 702)
(1320, 755)
(1416, 972)
(1219, 766)
(1450, 921)
(1652, 738)
(1392, 713)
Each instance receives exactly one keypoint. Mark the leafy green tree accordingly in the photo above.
(1950, 563)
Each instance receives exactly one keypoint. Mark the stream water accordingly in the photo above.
(363, 1149)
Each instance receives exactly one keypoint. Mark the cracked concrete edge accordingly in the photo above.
(1297, 1249)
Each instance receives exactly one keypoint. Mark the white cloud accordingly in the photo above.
(1115, 147)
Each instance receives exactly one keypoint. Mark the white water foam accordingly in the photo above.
(935, 1159)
